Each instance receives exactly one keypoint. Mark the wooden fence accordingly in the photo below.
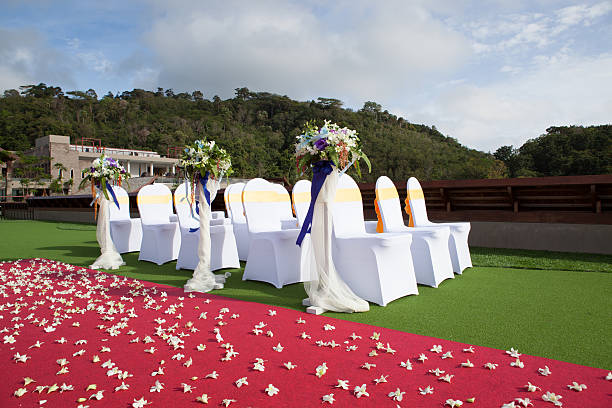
(571, 199)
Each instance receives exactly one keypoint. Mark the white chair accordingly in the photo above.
(301, 200)
(161, 237)
(273, 255)
(430, 255)
(377, 267)
(283, 206)
(233, 200)
(224, 253)
(459, 231)
(126, 232)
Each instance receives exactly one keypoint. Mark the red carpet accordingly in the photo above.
(56, 318)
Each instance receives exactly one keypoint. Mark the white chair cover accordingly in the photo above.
(161, 237)
(224, 253)
(126, 232)
(273, 255)
(377, 267)
(301, 200)
(327, 290)
(459, 231)
(430, 255)
(283, 205)
(236, 214)
(109, 257)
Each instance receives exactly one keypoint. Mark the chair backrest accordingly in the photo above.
(123, 212)
(183, 204)
(301, 199)
(389, 208)
(234, 201)
(226, 194)
(348, 208)
(154, 203)
(415, 204)
(283, 204)
(260, 201)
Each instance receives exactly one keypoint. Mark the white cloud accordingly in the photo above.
(559, 90)
(352, 50)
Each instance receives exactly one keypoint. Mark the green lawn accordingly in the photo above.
(554, 305)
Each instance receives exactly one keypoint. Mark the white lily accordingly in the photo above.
(446, 355)
(344, 384)
(373, 353)
(212, 375)
(97, 396)
(360, 391)
(321, 370)
(66, 387)
(453, 403)
(351, 348)
(436, 348)
(368, 366)
(447, 378)
(397, 395)
(63, 370)
(227, 402)
(468, 364)
(427, 390)
(532, 388)
(552, 397)
(609, 376)
(389, 349)
(20, 392)
(422, 358)
(241, 381)
(437, 372)
(469, 349)
(381, 379)
(187, 388)
(577, 387)
(20, 358)
(375, 336)
(289, 365)
(159, 371)
(37, 344)
(491, 366)
(271, 390)
(258, 367)
(269, 333)
(188, 362)
(305, 336)
(201, 347)
(354, 336)
(140, 403)
(202, 398)
(300, 321)
(509, 405)
(271, 312)
(544, 371)
(150, 350)
(329, 327)
(513, 353)
(27, 381)
(526, 402)
(121, 387)
(517, 363)
(406, 364)
(278, 348)
(329, 398)
(157, 387)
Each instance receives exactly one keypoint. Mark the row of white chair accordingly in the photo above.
(162, 236)
(376, 266)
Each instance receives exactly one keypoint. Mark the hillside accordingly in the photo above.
(258, 129)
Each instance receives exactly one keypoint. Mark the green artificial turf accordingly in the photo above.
(547, 304)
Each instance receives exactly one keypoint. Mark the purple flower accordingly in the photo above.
(321, 144)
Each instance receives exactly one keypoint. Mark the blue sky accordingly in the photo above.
(486, 73)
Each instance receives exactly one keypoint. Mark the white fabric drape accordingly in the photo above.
(203, 279)
(109, 258)
(328, 291)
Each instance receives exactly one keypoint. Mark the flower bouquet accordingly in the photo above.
(341, 146)
(326, 150)
(103, 173)
(204, 164)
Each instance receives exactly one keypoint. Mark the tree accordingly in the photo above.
(371, 107)
(330, 102)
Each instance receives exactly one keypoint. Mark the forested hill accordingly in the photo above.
(258, 129)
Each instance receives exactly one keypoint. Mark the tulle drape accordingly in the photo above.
(328, 291)
(203, 279)
(109, 258)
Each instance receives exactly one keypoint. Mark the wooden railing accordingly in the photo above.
(571, 199)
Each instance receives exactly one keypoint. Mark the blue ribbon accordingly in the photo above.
(320, 171)
(203, 182)
(109, 188)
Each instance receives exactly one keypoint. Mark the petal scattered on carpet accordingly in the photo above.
(71, 336)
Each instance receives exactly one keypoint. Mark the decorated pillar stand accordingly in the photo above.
(204, 163)
(102, 170)
(326, 291)
(109, 257)
(203, 279)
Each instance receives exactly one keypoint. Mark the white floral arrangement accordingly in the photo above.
(329, 142)
(104, 170)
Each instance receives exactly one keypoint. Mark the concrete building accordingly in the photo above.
(78, 157)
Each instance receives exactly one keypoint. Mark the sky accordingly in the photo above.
(487, 73)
